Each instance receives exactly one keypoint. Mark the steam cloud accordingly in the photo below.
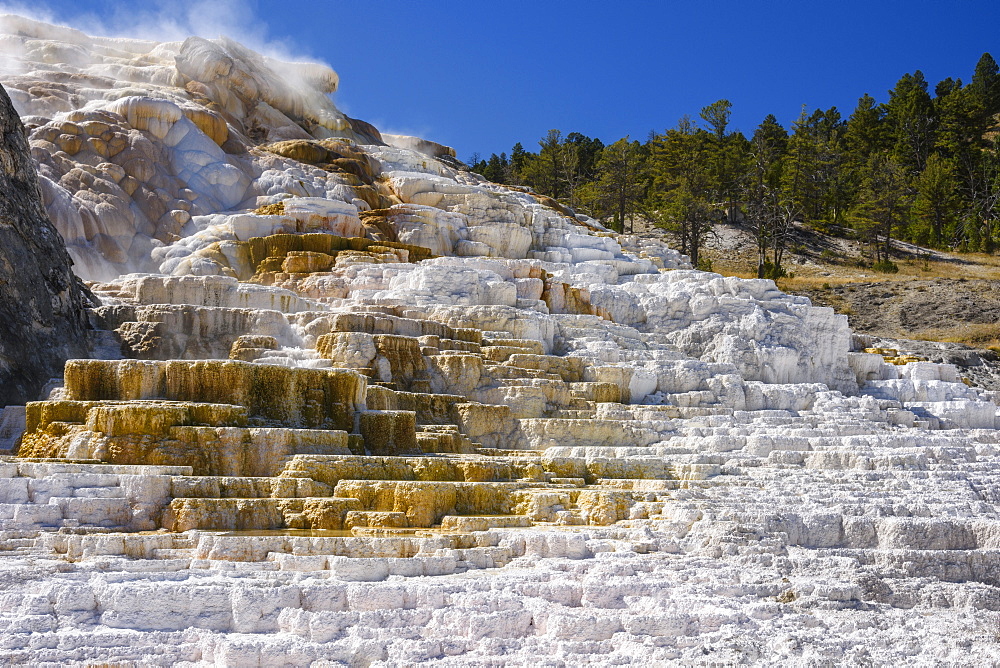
(236, 19)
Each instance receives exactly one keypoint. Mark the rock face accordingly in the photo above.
(374, 410)
(42, 318)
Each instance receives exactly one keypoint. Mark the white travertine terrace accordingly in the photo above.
(377, 411)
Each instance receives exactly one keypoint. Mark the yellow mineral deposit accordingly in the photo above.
(143, 113)
(279, 436)
(428, 403)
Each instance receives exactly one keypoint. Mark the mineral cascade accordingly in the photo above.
(347, 403)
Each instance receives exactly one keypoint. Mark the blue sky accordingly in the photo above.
(480, 76)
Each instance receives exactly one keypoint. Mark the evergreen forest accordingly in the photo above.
(921, 166)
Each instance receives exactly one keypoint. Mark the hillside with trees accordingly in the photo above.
(922, 166)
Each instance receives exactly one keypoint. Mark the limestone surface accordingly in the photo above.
(348, 403)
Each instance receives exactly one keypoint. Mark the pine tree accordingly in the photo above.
(518, 162)
(960, 119)
(865, 132)
(883, 205)
(762, 196)
(936, 204)
(726, 152)
(620, 183)
(589, 150)
(911, 121)
(496, 168)
(985, 85)
(981, 191)
(683, 191)
(581, 173)
(545, 172)
(800, 168)
(831, 185)
(508, 169)
(771, 134)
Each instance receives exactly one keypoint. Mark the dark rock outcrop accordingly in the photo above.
(42, 316)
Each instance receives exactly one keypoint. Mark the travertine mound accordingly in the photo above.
(42, 318)
(353, 405)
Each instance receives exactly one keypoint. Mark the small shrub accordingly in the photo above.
(786, 596)
(828, 255)
(774, 272)
(704, 264)
(886, 267)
